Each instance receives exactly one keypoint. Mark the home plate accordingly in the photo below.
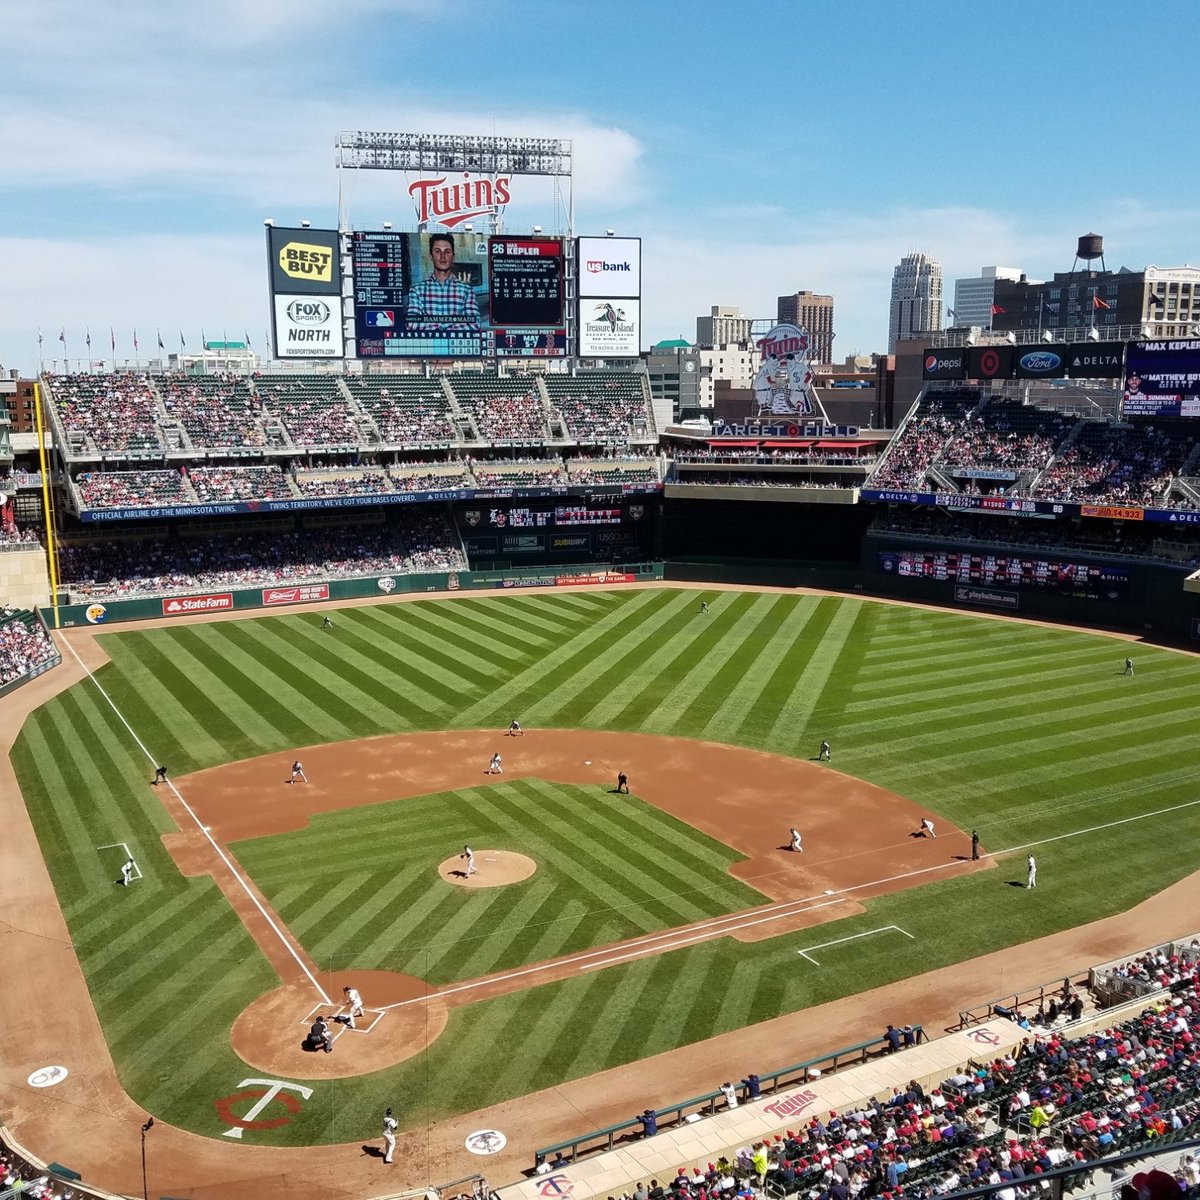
(587, 762)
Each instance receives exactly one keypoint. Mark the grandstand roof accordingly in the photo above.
(672, 344)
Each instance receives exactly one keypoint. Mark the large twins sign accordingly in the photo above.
(451, 204)
(784, 377)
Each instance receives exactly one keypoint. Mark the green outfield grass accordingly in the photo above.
(354, 886)
(1025, 733)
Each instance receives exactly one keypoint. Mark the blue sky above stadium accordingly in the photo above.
(757, 149)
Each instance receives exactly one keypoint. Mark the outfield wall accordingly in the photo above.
(377, 586)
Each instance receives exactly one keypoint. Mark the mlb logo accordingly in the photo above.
(381, 318)
(473, 516)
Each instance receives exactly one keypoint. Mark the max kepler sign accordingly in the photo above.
(782, 384)
(451, 203)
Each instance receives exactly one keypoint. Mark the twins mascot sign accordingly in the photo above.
(784, 378)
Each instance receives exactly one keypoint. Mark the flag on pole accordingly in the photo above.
(135, 345)
(203, 340)
(1050, 306)
(1157, 301)
(62, 335)
(997, 310)
(112, 339)
(88, 340)
(1098, 303)
(160, 341)
(951, 314)
(249, 345)
(182, 343)
(39, 335)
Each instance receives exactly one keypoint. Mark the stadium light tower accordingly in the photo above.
(364, 150)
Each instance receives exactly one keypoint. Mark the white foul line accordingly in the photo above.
(203, 829)
(851, 938)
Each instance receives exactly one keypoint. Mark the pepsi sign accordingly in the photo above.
(1043, 363)
(949, 363)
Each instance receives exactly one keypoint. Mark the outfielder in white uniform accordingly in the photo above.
(389, 1136)
(354, 1000)
(1031, 872)
(469, 855)
(796, 841)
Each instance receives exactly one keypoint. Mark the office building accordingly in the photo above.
(973, 298)
(724, 326)
(815, 314)
(916, 298)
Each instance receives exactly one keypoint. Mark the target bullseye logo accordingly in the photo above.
(989, 363)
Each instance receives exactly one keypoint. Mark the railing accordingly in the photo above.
(1036, 994)
(599, 1140)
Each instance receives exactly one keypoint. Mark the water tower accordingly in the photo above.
(1089, 248)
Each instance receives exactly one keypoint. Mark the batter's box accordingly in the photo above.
(372, 1017)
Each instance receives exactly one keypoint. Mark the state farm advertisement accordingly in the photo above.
(179, 606)
(296, 594)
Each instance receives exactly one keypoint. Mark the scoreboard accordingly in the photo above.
(1086, 580)
(515, 297)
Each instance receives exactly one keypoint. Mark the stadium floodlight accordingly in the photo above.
(1147, 331)
(610, 233)
(537, 229)
(1094, 334)
(269, 221)
(1195, 331)
(304, 224)
(387, 224)
(1011, 337)
(469, 228)
(1048, 335)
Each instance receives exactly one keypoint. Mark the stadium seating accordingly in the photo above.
(115, 413)
(612, 472)
(430, 541)
(216, 484)
(132, 489)
(431, 477)
(24, 645)
(505, 410)
(407, 411)
(358, 481)
(216, 411)
(601, 407)
(313, 410)
(515, 473)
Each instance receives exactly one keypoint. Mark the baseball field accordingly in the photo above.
(1031, 735)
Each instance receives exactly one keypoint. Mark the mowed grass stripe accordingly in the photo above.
(591, 680)
(515, 630)
(739, 683)
(529, 694)
(804, 629)
(636, 702)
(697, 695)
(822, 662)
(463, 664)
(355, 696)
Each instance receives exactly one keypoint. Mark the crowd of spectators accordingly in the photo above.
(1117, 464)
(21, 1178)
(1052, 1102)
(313, 410)
(218, 484)
(214, 410)
(1004, 435)
(365, 481)
(940, 416)
(418, 477)
(406, 412)
(1116, 539)
(729, 479)
(600, 408)
(24, 645)
(12, 534)
(431, 542)
(132, 489)
(102, 570)
(533, 473)
(118, 412)
(509, 418)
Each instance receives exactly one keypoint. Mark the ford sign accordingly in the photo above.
(1041, 361)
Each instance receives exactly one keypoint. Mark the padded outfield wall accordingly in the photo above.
(796, 545)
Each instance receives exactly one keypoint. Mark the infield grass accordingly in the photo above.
(1023, 732)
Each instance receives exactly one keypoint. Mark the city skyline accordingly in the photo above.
(145, 146)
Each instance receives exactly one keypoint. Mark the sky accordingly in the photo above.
(757, 148)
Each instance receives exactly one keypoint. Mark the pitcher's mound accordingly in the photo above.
(493, 868)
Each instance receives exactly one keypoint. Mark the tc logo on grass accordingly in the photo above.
(262, 1092)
